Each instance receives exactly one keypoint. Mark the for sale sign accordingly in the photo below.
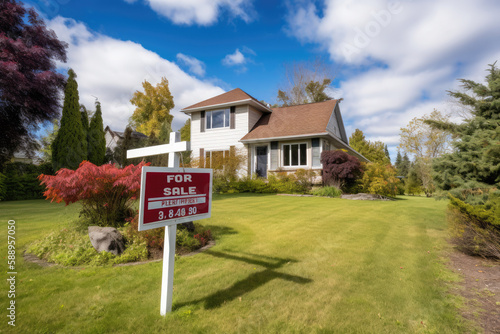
(174, 195)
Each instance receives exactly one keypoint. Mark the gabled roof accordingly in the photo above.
(233, 97)
(301, 120)
(135, 134)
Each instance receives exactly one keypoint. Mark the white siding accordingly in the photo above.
(218, 139)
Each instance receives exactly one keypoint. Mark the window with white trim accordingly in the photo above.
(294, 155)
(217, 119)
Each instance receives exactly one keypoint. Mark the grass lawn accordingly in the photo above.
(280, 265)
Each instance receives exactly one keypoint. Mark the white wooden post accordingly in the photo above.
(167, 279)
(167, 282)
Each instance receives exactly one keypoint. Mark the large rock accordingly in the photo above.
(106, 239)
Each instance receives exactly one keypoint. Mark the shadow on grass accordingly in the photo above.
(248, 284)
(221, 230)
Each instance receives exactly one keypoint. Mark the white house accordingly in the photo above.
(272, 139)
(112, 137)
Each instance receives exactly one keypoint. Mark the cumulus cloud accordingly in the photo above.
(405, 54)
(113, 70)
(201, 12)
(194, 65)
(236, 58)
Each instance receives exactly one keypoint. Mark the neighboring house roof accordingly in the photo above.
(119, 134)
(233, 97)
(305, 119)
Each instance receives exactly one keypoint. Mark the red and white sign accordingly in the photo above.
(174, 195)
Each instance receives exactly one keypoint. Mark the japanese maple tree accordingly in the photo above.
(106, 192)
(340, 169)
(29, 83)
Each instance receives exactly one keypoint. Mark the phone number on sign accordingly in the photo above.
(176, 213)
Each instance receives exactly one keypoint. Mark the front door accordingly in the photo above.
(261, 153)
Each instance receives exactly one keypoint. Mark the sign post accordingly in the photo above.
(170, 196)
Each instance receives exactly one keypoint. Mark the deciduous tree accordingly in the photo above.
(153, 106)
(340, 169)
(305, 82)
(29, 83)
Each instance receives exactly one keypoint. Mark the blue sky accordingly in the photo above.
(393, 60)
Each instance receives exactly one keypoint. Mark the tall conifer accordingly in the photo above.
(70, 146)
(95, 138)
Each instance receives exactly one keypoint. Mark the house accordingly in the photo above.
(272, 139)
(112, 137)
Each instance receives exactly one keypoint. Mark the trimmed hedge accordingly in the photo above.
(20, 181)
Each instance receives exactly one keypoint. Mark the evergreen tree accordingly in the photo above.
(405, 166)
(85, 118)
(387, 153)
(95, 137)
(475, 161)
(398, 163)
(70, 146)
(373, 151)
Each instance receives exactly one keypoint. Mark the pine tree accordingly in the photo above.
(387, 153)
(95, 137)
(70, 146)
(397, 164)
(373, 151)
(85, 118)
(475, 162)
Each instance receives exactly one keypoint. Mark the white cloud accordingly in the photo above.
(236, 58)
(195, 66)
(405, 54)
(201, 12)
(113, 70)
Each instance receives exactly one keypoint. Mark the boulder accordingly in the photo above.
(106, 239)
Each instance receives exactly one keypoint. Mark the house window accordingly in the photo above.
(295, 155)
(216, 159)
(217, 119)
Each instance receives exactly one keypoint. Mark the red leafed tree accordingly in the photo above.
(29, 84)
(340, 169)
(105, 192)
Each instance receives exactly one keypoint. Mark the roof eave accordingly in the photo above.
(304, 136)
(228, 104)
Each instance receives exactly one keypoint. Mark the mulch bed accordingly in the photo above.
(480, 288)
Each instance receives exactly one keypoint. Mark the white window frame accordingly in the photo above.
(290, 152)
(226, 123)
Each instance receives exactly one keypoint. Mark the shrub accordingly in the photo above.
(21, 181)
(69, 247)
(380, 179)
(329, 191)
(185, 241)
(105, 192)
(2, 187)
(476, 228)
(340, 169)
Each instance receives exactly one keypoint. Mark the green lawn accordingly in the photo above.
(281, 265)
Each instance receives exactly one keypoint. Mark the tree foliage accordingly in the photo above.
(153, 106)
(421, 140)
(105, 192)
(29, 83)
(475, 160)
(186, 136)
(69, 148)
(380, 179)
(95, 138)
(305, 82)
(373, 151)
(340, 169)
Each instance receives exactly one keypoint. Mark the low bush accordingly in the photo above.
(330, 191)
(476, 228)
(70, 247)
(380, 179)
(185, 241)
